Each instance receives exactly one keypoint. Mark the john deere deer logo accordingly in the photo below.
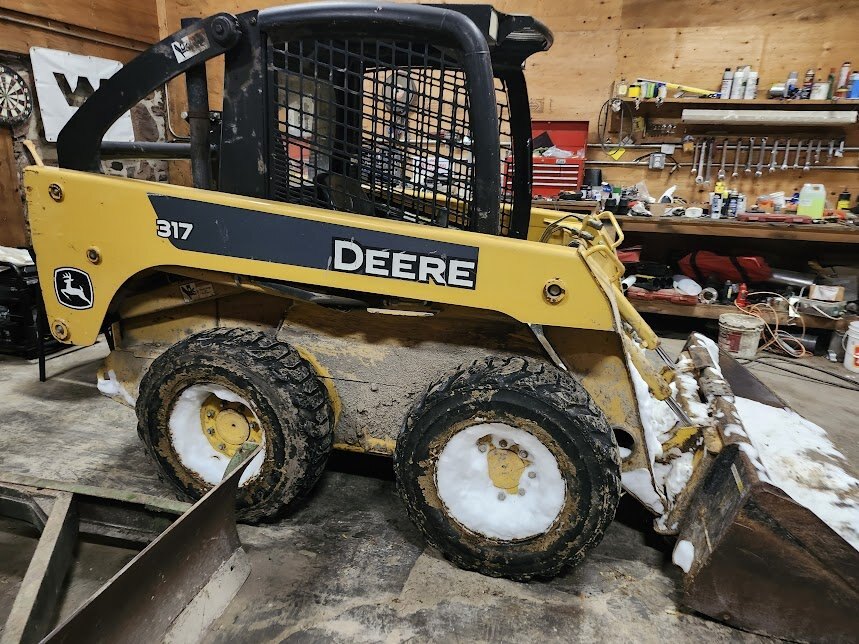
(73, 288)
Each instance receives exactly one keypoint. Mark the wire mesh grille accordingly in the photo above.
(506, 140)
(372, 127)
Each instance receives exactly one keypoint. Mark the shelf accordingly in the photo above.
(713, 311)
(755, 102)
(831, 233)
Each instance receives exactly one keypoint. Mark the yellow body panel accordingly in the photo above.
(114, 216)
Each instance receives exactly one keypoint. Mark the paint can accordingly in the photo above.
(740, 334)
(851, 348)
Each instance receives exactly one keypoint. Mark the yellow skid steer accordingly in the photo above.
(350, 271)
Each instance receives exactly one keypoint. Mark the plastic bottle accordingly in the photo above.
(716, 205)
(751, 86)
(854, 85)
(831, 92)
(843, 200)
(727, 80)
(844, 75)
(812, 199)
(738, 87)
(622, 87)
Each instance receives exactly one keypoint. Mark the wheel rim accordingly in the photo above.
(500, 481)
(208, 424)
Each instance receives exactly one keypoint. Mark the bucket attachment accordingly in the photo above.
(753, 556)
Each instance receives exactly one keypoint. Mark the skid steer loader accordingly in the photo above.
(358, 267)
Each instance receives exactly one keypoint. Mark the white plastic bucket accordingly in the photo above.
(740, 334)
(851, 348)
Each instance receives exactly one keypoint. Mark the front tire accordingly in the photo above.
(508, 468)
(206, 395)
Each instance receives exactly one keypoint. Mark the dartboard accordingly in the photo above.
(15, 102)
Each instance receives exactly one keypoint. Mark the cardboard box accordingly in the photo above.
(826, 293)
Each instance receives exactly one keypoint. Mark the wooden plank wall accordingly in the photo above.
(105, 28)
(599, 41)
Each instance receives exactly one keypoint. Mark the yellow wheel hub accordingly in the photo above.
(227, 425)
(506, 465)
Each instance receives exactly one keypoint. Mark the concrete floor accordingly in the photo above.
(349, 566)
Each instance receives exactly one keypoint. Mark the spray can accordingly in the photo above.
(854, 85)
(844, 75)
(808, 85)
(727, 80)
(738, 87)
(741, 204)
(790, 85)
(751, 86)
(715, 205)
(733, 197)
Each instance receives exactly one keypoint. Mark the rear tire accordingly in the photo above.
(254, 372)
(455, 451)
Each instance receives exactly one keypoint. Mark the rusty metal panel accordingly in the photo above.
(765, 564)
(141, 602)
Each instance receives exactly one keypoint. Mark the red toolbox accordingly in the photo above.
(550, 175)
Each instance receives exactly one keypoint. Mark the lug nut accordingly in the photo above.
(502, 443)
(55, 191)
(523, 454)
(253, 425)
(532, 475)
(221, 446)
(210, 413)
(501, 496)
(482, 447)
(211, 431)
(521, 491)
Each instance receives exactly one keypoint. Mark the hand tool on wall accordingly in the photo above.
(831, 150)
(774, 156)
(798, 152)
(697, 151)
(748, 168)
(786, 152)
(721, 174)
(761, 157)
(807, 165)
(817, 151)
(707, 174)
(700, 178)
(737, 153)
(839, 151)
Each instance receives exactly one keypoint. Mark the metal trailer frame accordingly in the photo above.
(186, 547)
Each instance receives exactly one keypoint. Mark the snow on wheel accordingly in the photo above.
(205, 396)
(500, 481)
(207, 426)
(508, 468)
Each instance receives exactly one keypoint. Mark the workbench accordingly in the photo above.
(736, 237)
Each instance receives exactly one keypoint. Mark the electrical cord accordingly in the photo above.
(603, 123)
(763, 361)
(779, 339)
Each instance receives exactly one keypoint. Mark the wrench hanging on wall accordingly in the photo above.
(774, 156)
(758, 172)
(748, 168)
(700, 178)
(695, 154)
(798, 152)
(737, 153)
(786, 152)
(721, 174)
(807, 165)
(709, 160)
